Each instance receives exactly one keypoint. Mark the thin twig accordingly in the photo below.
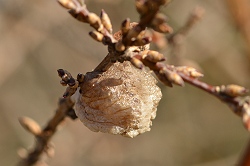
(213, 90)
(65, 106)
(176, 40)
(229, 94)
(195, 16)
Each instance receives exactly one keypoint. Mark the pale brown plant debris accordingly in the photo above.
(189, 71)
(106, 21)
(96, 35)
(137, 63)
(125, 26)
(119, 46)
(234, 90)
(68, 4)
(154, 56)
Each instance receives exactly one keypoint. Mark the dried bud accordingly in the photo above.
(217, 89)
(133, 33)
(106, 40)
(137, 63)
(95, 21)
(197, 13)
(50, 150)
(154, 56)
(141, 7)
(161, 76)
(22, 153)
(70, 90)
(125, 27)
(173, 77)
(159, 19)
(142, 41)
(63, 83)
(68, 4)
(159, 24)
(77, 16)
(119, 46)
(234, 90)
(189, 71)
(141, 34)
(30, 125)
(123, 100)
(96, 35)
(61, 72)
(80, 77)
(196, 74)
(66, 77)
(163, 28)
(106, 21)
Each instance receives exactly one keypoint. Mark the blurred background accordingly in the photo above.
(192, 128)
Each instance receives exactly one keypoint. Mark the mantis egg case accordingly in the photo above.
(123, 100)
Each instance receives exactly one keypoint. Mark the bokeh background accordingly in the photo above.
(192, 128)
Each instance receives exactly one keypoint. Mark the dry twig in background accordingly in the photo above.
(240, 10)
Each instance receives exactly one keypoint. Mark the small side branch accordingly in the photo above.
(232, 95)
(228, 94)
(43, 138)
(195, 16)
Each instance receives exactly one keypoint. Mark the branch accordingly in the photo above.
(131, 34)
(102, 33)
(130, 44)
(43, 138)
(245, 159)
(176, 40)
(169, 75)
(228, 94)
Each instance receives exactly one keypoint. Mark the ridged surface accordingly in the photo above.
(122, 100)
